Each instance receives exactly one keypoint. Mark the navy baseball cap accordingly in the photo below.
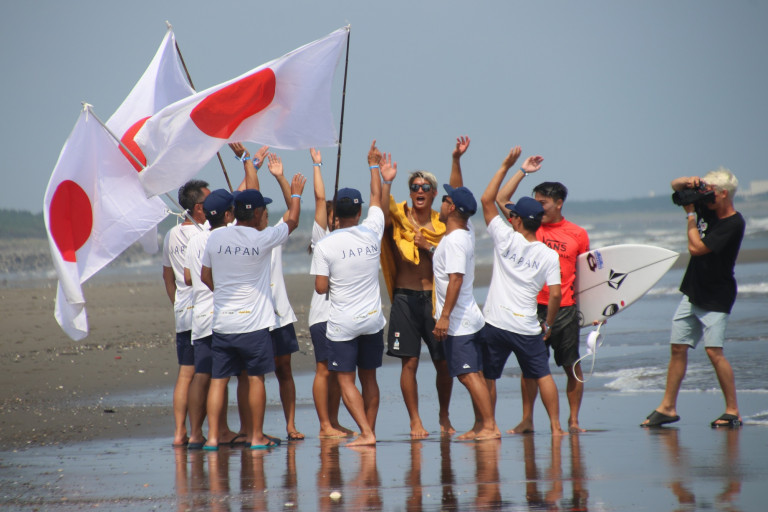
(251, 198)
(526, 207)
(462, 198)
(218, 201)
(349, 193)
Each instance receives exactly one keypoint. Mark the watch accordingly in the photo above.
(432, 249)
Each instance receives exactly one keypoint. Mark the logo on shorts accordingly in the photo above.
(335, 363)
(466, 366)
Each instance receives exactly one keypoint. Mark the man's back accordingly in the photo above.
(350, 258)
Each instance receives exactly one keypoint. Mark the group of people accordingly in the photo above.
(223, 272)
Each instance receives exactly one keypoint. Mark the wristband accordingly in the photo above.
(546, 326)
(242, 157)
(256, 162)
(373, 167)
(296, 195)
(387, 182)
(319, 164)
(690, 214)
(524, 173)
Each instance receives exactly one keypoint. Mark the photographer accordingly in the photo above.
(715, 230)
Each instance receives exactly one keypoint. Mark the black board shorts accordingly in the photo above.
(564, 338)
(410, 321)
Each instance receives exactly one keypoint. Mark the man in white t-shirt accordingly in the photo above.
(521, 267)
(236, 266)
(346, 264)
(459, 322)
(218, 207)
(191, 197)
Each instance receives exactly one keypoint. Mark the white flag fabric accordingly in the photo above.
(164, 82)
(94, 209)
(285, 103)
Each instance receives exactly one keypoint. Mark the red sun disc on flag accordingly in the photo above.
(221, 112)
(71, 218)
(133, 147)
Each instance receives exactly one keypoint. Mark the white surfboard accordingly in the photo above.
(610, 279)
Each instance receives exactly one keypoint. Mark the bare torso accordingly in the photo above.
(408, 275)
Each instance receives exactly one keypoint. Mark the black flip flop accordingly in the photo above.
(731, 421)
(657, 419)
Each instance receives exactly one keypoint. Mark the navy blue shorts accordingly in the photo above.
(365, 352)
(464, 353)
(250, 350)
(284, 341)
(320, 342)
(203, 355)
(185, 353)
(531, 352)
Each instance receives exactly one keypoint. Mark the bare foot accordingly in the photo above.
(332, 433)
(487, 434)
(363, 440)
(180, 441)
(346, 430)
(418, 431)
(557, 431)
(446, 427)
(295, 436)
(574, 428)
(467, 436)
(524, 427)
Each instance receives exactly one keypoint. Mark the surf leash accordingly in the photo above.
(594, 341)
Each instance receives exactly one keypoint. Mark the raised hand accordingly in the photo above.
(512, 157)
(317, 158)
(532, 164)
(297, 183)
(374, 155)
(239, 149)
(275, 165)
(462, 144)
(260, 155)
(387, 167)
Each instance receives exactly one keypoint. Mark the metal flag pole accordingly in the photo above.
(189, 79)
(341, 122)
(89, 108)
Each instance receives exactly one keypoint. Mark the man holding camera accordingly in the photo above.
(715, 230)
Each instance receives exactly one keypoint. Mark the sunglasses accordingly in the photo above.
(447, 199)
(425, 187)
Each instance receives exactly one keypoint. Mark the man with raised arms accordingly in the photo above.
(191, 197)
(325, 386)
(411, 236)
(569, 241)
(459, 322)
(236, 266)
(521, 266)
(346, 264)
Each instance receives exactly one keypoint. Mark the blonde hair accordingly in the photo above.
(722, 179)
(423, 175)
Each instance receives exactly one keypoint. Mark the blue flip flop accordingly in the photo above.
(270, 444)
(210, 448)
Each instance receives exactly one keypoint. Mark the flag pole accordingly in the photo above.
(189, 78)
(341, 123)
(89, 108)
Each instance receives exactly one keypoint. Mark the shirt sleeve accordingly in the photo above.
(375, 220)
(721, 235)
(319, 265)
(206, 256)
(553, 275)
(456, 256)
(166, 256)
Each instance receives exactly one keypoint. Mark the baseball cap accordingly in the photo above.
(526, 207)
(218, 201)
(349, 193)
(463, 199)
(251, 198)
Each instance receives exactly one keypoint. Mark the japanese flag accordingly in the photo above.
(285, 103)
(94, 209)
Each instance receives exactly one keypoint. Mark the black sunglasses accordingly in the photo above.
(446, 199)
(426, 187)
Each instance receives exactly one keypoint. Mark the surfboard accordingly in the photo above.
(610, 279)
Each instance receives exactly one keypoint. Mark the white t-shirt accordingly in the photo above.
(174, 250)
(350, 259)
(320, 306)
(520, 270)
(202, 296)
(455, 254)
(284, 314)
(239, 258)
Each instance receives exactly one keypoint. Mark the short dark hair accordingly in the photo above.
(191, 193)
(531, 225)
(243, 214)
(553, 189)
(346, 209)
(215, 220)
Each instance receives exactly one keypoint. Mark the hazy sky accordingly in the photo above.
(619, 97)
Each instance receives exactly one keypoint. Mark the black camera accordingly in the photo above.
(699, 195)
